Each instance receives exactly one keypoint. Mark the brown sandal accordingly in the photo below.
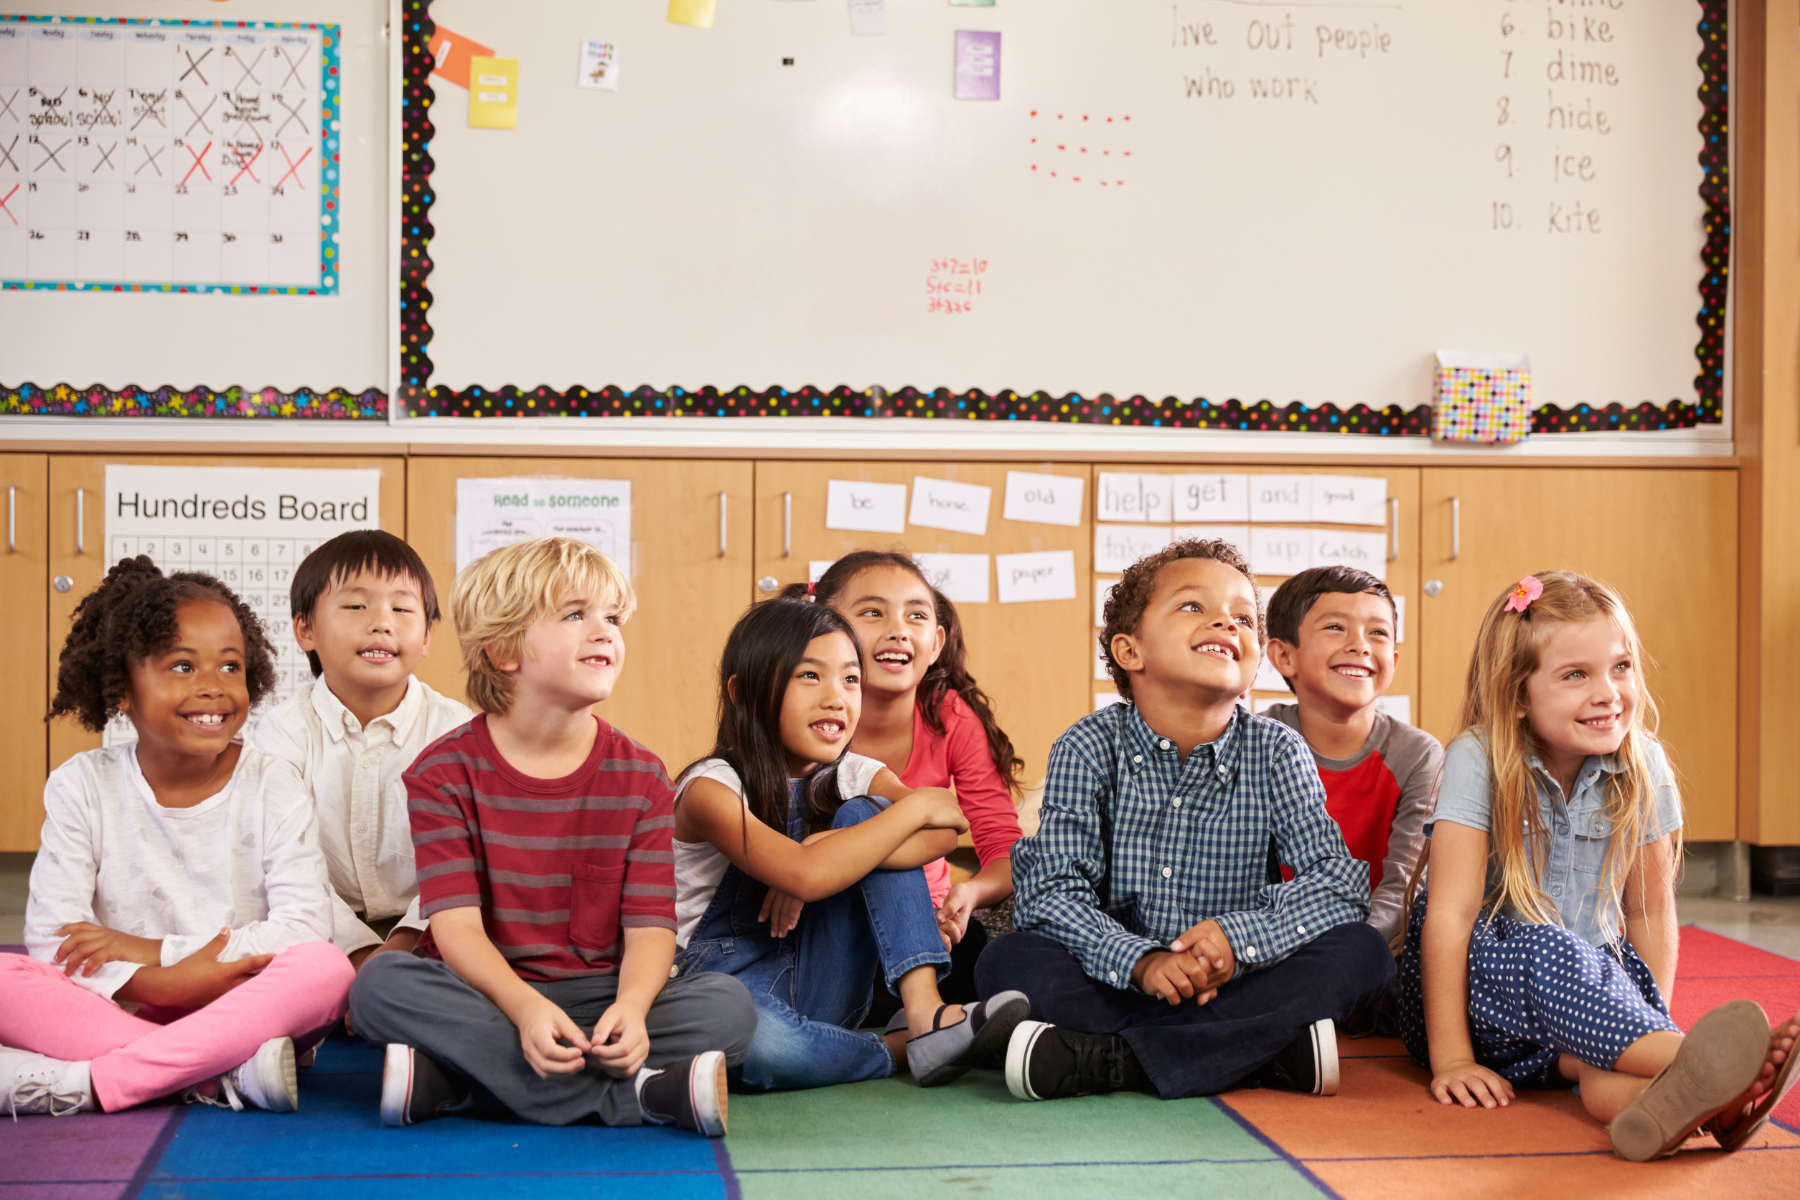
(1717, 1062)
(1733, 1137)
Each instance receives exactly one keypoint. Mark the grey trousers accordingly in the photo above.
(422, 1003)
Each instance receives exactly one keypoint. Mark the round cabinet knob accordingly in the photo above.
(1433, 586)
(767, 585)
(62, 583)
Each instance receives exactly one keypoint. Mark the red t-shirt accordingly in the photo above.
(959, 757)
(559, 867)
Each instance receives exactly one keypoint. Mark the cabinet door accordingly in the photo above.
(689, 575)
(78, 540)
(1034, 659)
(1666, 539)
(24, 692)
(1400, 563)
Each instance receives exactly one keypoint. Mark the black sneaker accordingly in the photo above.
(1044, 1062)
(1309, 1064)
(689, 1094)
(415, 1088)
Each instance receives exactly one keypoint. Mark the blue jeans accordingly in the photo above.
(813, 986)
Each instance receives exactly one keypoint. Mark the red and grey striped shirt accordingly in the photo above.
(559, 867)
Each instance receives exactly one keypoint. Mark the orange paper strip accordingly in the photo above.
(451, 51)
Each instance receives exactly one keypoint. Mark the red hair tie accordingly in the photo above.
(811, 588)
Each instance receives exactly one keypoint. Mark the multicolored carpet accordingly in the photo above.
(1382, 1138)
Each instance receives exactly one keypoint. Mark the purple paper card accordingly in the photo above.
(977, 65)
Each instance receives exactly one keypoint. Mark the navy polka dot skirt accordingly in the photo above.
(1537, 992)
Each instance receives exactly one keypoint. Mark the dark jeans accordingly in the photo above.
(421, 1002)
(1193, 1049)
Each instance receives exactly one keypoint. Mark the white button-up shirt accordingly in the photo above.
(354, 775)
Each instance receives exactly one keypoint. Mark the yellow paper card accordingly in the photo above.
(698, 13)
(493, 93)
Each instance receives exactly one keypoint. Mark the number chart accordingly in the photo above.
(248, 528)
(170, 156)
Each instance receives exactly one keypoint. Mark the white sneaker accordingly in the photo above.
(34, 1083)
(265, 1080)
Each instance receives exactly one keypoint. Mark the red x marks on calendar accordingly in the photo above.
(198, 165)
(6, 210)
(245, 164)
(293, 171)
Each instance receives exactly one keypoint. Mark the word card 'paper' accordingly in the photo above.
(493, 93)
(248, 527)
(1364, 551)
(1043, 499)
(1397, 707)
(1046, 575)
(1142, 498)
(1118, 546)
(1235, 535)
(1281, 497)
(869, 507)
(942, 504)
(491, 513)
(961, 577)
(977, 65)
(1280, 551)
(599, 65)
(698, 13)
(868, 18)
(1349, 499)
(816, 568)
(1103, 590)
(1107, 700)
(1211, 497)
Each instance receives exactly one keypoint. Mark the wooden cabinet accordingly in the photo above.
(78, 545)
(24, 654)
(1667, 539)
(691, 566)
(1034, 659)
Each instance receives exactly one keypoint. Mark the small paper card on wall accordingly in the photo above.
(1043, 499)
(868, 18)
(1102, 672)
(1103, 590)
(943, 504)
(1364, 551)
(816, 568)
(1142, 498)
(1211, 497)
(868, 507)
(1399, 619)
(1397, 707)
(961, 577)
(1349, 499)
(599, 65)
(493, 93)
(450, 55)
(1107, 700)
(1236, 535)
(1046, 575)
(698, 13)
(977, 65)
(1281, 497)
(1268, 679)
(491, 513)
(1118, 546)
(1280, 551)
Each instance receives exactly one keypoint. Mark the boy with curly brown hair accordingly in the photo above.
(1158, 941)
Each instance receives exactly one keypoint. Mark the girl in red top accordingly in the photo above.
(928, 721)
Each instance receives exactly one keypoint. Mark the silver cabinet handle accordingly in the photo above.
(12, 518)
(787, 524)
(1455, 528)
(722, 542)
(1393, 528)
(81, 520)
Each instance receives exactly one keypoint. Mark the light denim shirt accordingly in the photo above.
(1579, 828)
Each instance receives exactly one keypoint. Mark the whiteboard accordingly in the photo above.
(225, 338)
(1289, 221)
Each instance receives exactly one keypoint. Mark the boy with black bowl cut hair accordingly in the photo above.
(1153, 944)
(1333, 637)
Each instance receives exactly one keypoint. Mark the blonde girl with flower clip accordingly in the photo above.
(1546, 953)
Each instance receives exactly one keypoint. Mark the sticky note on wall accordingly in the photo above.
(493, 93)
(450, 55)
(698, 13)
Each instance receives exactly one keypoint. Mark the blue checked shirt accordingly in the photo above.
(1137, 847)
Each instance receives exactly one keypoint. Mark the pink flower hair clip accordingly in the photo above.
(1523, 593)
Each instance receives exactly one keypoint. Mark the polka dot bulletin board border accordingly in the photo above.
(421, 398)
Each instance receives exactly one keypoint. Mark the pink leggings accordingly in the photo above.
(300, 995)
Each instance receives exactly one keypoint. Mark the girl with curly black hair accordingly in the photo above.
(180, 872)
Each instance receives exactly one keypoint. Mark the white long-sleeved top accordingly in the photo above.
(354, 776)
(245, 859)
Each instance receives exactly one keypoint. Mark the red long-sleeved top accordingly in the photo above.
(959, 757)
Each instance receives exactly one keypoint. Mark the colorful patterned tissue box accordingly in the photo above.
(1482, 403)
